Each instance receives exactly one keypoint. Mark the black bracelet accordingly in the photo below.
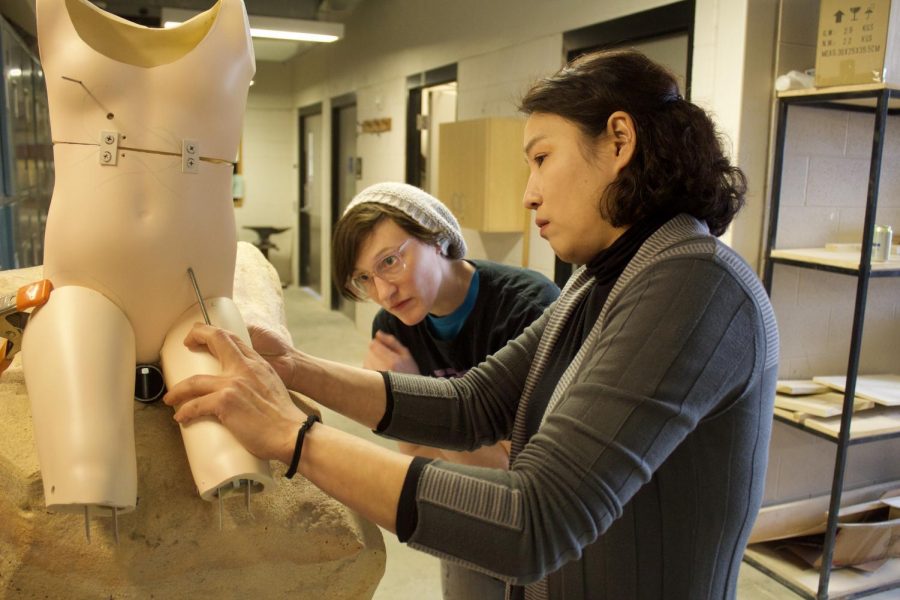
(295, 460)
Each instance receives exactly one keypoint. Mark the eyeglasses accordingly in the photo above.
(387, 268)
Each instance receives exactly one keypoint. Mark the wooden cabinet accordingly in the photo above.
(482, 173)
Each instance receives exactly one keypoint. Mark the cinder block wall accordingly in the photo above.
(826, 170)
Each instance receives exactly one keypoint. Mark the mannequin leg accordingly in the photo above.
(218, 461)
(79, 357)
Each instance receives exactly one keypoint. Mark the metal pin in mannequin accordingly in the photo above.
(109, 115)
(247, 495)
(199, 296)
(116, 524)
(87, 524)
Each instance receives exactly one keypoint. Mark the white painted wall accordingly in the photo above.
(734, 50)
(500, 47)
(269, 164)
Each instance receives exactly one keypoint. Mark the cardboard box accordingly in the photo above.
(868, 535)
(858, 42)
(809, 516)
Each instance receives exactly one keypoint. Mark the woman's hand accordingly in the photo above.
(386, 353)
(248, 397)
(275, 350)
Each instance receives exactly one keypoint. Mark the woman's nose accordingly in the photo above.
(531, 199)
(383, 289)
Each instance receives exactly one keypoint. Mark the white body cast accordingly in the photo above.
(123, 229)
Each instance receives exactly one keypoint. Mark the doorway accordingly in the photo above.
(346, 169)
(664, 34)
(310, 209)
(431, 101)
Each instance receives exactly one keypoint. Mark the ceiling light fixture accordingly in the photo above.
(273, 28)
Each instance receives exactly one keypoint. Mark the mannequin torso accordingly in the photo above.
(131, 229)
(146, 124)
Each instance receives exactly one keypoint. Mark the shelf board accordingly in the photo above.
(803, 579)
(862, 95)
(829, 431)
(833, 260)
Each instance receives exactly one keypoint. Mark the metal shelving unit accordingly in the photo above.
(883, 100)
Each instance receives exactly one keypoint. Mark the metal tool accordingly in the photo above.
(13, 317)
(199, 295)
(220, 492)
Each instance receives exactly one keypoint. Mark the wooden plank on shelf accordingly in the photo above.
(828, 404)
(810, 94)
(882, 389)
(877, 421)
(836, 89)
(790, 415)
(804, 579)
(833, 258)
(800, 387)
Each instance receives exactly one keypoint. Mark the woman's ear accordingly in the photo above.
(620, 129)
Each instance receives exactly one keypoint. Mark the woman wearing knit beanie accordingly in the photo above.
(441, 314)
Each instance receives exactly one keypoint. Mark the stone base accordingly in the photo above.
(295, 541)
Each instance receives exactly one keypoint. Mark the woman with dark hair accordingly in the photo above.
(639, 405)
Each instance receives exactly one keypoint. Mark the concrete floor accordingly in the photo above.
(409, 574)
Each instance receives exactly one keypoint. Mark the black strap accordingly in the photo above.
(295, 460)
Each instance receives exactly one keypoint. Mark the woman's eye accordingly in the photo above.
(539, 159)
(389, 261)
(364, 278)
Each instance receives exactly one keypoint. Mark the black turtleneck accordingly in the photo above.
(606, 268)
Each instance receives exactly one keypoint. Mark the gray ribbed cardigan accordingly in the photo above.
(645, 476)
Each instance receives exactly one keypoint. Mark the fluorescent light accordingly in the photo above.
(295, 29)
(273, 28)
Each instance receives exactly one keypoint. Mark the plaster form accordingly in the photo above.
(146, 124)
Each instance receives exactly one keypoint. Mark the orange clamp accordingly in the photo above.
(33, 295)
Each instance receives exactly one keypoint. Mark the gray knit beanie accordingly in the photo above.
(421, 207)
